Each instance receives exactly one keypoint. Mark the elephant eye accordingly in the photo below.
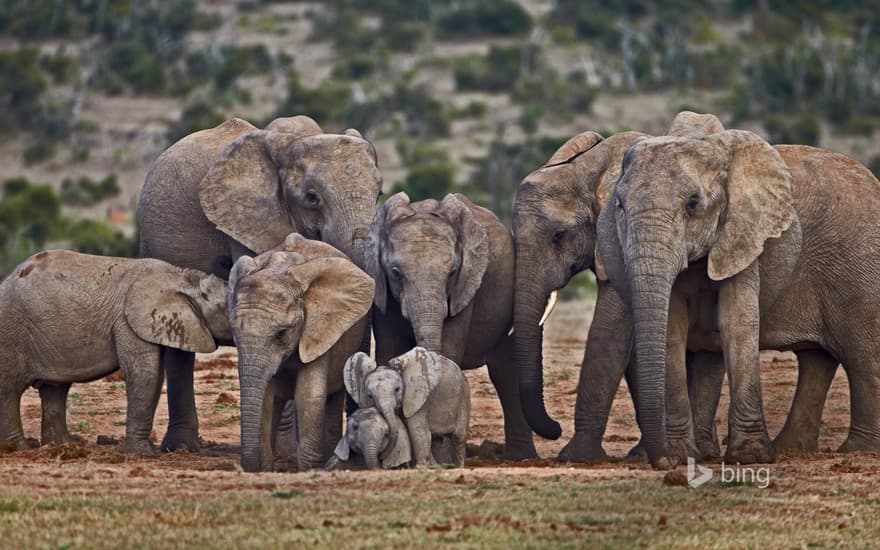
(312, 198)
(558, 236)
(692, 203)
(281, 334)
(395, 273)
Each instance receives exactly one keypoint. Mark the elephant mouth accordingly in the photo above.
(548, 310)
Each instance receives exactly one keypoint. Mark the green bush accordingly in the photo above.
(498, 71)
(85, 191)
(39, 151)
(803, 130)
(433, 180)
(485, 18)
(198, 116)
(22, 85)
(99, 238)
(137, 65)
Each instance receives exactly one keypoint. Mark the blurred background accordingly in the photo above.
(467, 95)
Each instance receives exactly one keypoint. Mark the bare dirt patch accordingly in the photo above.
(52, 496)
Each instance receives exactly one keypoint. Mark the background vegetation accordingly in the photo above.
(467, 95)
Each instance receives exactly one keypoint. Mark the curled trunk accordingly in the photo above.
(529, 303)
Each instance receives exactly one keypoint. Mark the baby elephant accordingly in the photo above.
(368, 437)
(70, 317)
(431, 392)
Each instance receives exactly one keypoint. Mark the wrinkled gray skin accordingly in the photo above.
(235, 189)
(70, 317)
(296, 312)
(555, 229)
(428, 391)
(444, 281)
(724, 243)
(367, 437)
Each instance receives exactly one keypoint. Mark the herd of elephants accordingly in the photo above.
(708, 246)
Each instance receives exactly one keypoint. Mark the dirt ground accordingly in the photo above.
(92, 495)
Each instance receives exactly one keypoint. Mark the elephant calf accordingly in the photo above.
(430, 392)
(70, 317)
(369, 438)
(444, 275)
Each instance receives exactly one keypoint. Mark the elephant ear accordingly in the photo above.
(396, 207)
(401, 452)
(336, 295)
(573, 147)
(695, 125)
(299, 125)
(356, 369)
(240, 193)
(760, 204)
(473, 247)
(243, 267)
(158, 310)
(420, 369)
(342, 449)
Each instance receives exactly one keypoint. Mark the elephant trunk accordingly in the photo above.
(427, 316)
(529, 304)
(348, 228)
(254, 382)
(651, 281)
(371, 455)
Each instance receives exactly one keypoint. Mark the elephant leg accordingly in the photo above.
(183, 420)
(284, 413)
(333, 421)
(606, 356)
(864, 391)
(311, 401)
(11, 431)
(53, 399)
(420, 438)
(143, 385)
(679, 429)
(705, 378)
(518, 442)
(738, 309)
(816, 369)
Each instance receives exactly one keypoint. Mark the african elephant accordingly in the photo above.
(235, 189)
(555, 232)
(368, 438)
(444, 281)
(727, 244)
(297, 312)
(71, 317)
(426, 393)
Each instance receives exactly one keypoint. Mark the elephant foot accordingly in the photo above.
(750, 449)
(517, 452)
(638, 452)
(63, 439)
(140, 446)
(679, 449)
(181, 439)
(708, 448)
(798, 441)
(582, 449)
(857, 442)
(17, 444)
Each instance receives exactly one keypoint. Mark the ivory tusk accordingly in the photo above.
(551, 304)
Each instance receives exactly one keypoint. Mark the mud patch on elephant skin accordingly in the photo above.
(172, 327)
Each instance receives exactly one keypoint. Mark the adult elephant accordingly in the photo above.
(726, 244)
(235, 189)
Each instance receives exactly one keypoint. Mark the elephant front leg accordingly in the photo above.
(143, 384)
(311, 399)
(679, 430)
(183, 419)
(739, 316)
(609, 344)
(816, 371)
(705, 379)
(518, 442)
(420, 438)
(53, 401)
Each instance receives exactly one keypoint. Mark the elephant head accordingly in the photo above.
(382, 388)
(554, 227)
(299, 298)
(679, 200)
(368, 435)
(420, 370)
(293, 177)
(431, 257)
(178, 308)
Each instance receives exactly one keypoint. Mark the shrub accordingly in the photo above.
(22, 84)
(99, 238)
(198, 116)
(804, 129)
(433, 180)
(39, 151)
(485, 18)
(137, 65)
(85, 191)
